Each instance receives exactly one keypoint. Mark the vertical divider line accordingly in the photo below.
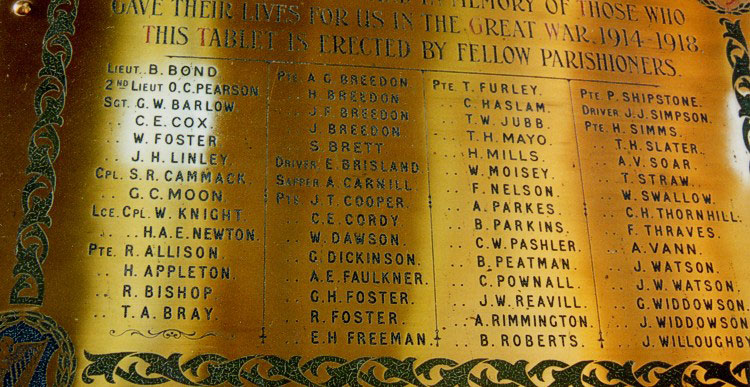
(265, 200)
(586, 215)
(429, 204)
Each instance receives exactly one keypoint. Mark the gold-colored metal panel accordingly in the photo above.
(508, 216)
(348, 211)
(447, 192)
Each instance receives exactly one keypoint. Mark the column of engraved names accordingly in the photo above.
(654, 179)
(511, 247)
(347, 190)
(174, 217)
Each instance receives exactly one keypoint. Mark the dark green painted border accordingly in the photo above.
(737, 54)
(265, 370)
(32, 245)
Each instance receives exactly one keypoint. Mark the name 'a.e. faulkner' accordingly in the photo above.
(381, 277)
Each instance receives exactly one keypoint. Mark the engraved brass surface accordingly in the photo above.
(434, 192)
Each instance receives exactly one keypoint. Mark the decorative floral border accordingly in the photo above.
(32, 245)
(264, 370)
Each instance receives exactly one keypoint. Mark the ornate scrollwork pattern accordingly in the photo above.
(737, 54)
(730, 7)
(32, 245)
(267, 370)
(165, 334)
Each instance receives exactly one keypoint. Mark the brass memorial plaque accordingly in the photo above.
(375, 192)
